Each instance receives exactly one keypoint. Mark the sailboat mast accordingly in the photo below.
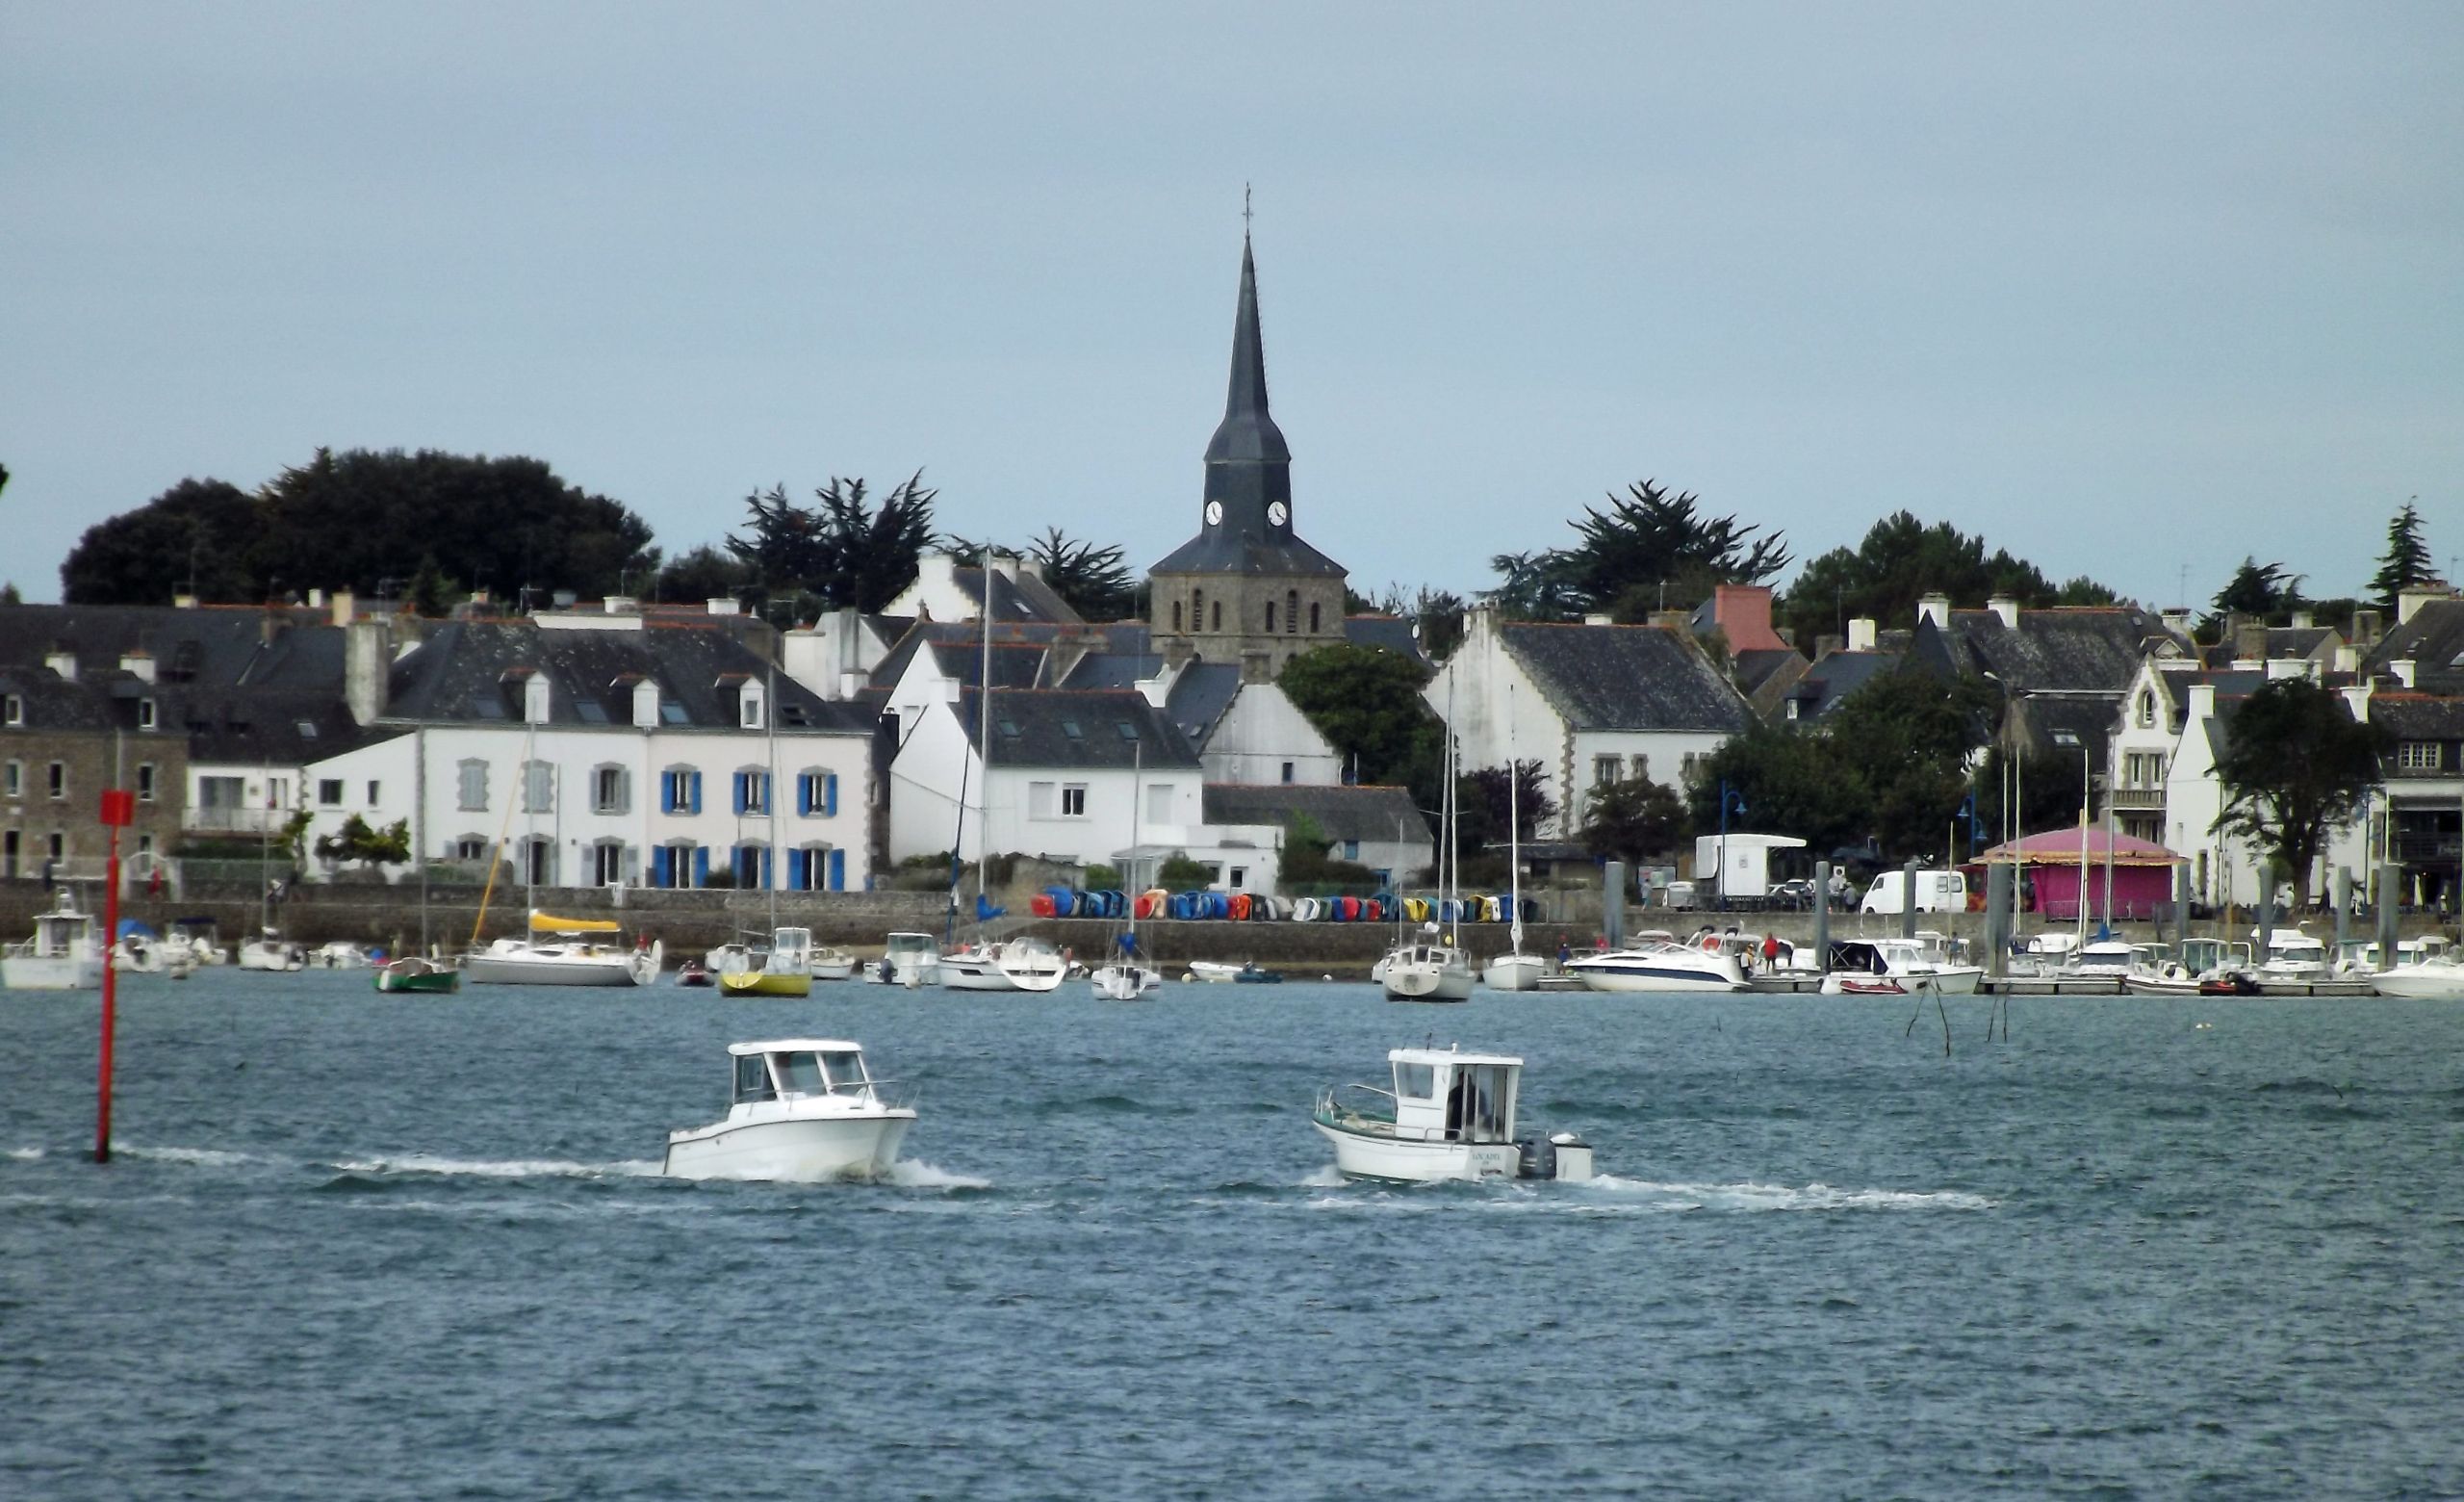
(770, 792)
(1513, 824)
(2087, 795)
(984, 738)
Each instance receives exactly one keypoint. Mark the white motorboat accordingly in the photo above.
(908, 960)
(339, 955)
(1449, 1115)
(2436, 977)
(804, 1110)
(1517, 971)
(1017, 965)
(2206, 967)
(1214, 973)
(197, 939)
(831, 963)
(783, 969)
(138, 952)
(571, 957)
(1427, 972)
(63, 954)
(1884, 967)
(2108, 959)
(1660, 967)
(269, 950)
(2297, 965)
(1125, 980)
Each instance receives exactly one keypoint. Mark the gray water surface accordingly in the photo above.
(362, 1246)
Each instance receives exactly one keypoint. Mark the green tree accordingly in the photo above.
(1095, 581)
(1484, 804)
(208, 531)
(1899, 561)
(356, 840)
(1913, 735)
(703, 573)
(1631, 820)
(2296, 764)
(2261, 591)
(1793, 781)
(1649, 544)
(843, 552)
(1366, 703)
(2406, 561)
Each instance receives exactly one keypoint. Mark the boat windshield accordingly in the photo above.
(752, 1078)
(800, 1073)
(844, 1071)
(1415, 1081)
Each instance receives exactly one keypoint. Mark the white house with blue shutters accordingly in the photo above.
(602, 750)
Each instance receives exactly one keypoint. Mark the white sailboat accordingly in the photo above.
(785, 968)
(1126, 977)
(1432, 967)
(1518, 971)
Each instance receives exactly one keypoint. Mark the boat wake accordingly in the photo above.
(909, 1174)
(199, 1157)
(1758, 1197)
(506, 1168)
(24, 1154)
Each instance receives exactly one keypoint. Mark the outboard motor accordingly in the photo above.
(1563, 1156)
(1539, 1158)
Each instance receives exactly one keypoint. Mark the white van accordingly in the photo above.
(1937, 891)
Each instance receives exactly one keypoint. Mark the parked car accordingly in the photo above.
(1796, 893)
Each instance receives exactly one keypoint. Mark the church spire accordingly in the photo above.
(1247, 431)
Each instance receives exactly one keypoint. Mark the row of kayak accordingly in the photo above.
(1243, 907)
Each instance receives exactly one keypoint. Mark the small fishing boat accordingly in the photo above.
(415, 972)
(1449, 1115)
(1250, 975)
(693, 972)
(571, 957)
(802, 1110)
(63, 954)
(908, 960)
(831, 963)
(1125, 980)
(784, 970)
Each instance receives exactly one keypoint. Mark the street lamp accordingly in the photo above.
(1729, 798)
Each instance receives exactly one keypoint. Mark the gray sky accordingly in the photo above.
(2128, 289)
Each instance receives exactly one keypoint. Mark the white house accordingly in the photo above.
(1593, 704)
(1083, 776)
(607, 752)
(2225, 869)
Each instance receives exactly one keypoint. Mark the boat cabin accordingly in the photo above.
(792, 945)
(2290, 948)
(1445, 1096)
(60, 933)
(2202, 955)
(794, 1069)
(923, 945)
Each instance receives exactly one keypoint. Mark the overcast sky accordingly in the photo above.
(2130, 290)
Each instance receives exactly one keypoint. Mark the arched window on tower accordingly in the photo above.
(1176, 617)
(1270, 615)
(1313, 617)
(1197, 609)
(1291, 611)
(1216, 617)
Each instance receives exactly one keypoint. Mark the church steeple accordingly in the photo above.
(1248, 431)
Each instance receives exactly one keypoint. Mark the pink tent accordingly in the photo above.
(2049, 870)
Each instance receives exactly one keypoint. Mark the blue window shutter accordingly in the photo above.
(666, 793)
(660, 876)
(829, 794)
(701, 858)
(694, 799)
(742, 780)
(838, 870)
(803, 794)
(766, 868)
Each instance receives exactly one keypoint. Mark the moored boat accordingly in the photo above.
(784, 970)
(571, 957)
(418, 974)
(65, 952)
(1449, 1115)
(1660, 967)
(2437, 978)
(801, 1111)
(271, 951)
(909, 960)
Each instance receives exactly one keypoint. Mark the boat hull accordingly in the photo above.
(484, 969)
(52, 973)
(797, 1151)
(1638, 978)
(425, 982)
(1124, 982)
(1394, 1160)
(973, 972)
(763, 983)
(276, 958)
(1514, 973)
(2428, 983)
(1427, 983)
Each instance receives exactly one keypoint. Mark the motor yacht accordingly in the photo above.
(783, 969)
(803, 1110)
(908, 960)
(1015, 965)
(1449, 1115)
(65, 953)
(1125, 980)
(2437, 977)
(271, 951)
(571, 956)
(1884, 967)
(1660, 966)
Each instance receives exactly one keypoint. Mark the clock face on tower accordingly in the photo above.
(1215, 513)
(1277, 513)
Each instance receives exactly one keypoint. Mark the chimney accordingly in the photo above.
(184, 602)
(1005, 565)
(2409, 602)
(2250, 642)
(2402, 667)
(1935, 607)
(2301, 620)
(1861, 634)
(315, 599)
(1032, 568)
(2367, 629)
(62, 660)
(2357, 699)
(138, 663)
(345, 603)
(1598, 620)
(720, 605)
(1744, 613)
(2201, 705)
(936, 576)
(2177, 620)
(365, 665)
(2348, 660)
(2006, 609)
(1824, 645)
(2286, 667)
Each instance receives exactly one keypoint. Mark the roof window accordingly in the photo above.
(1010, 728)
(1070, 729)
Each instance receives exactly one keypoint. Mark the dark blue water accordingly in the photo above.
(410, 1248)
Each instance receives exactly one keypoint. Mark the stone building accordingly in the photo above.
(1246, 590)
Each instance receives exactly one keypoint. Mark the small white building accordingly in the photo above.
(1593, 704)
(1737, 866)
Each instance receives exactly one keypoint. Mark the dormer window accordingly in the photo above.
(748, 706)
(534, 700)
(2146, 708)
(145, 714)
(13, 709)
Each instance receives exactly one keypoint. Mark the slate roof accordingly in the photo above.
(1828, 683)
(1625, 678)
(1015, 665)
(1070, 729)
(1024, 599)
(2087, 722)
(1199, 697)
(461, 674)
(1222, 551)
(51, 703)
(1392, 633)
(1754, 668)
(205, 644)
(1366, 814)
(2419, 716)
(2086, 649)
(2433, 639)
(1113, 670)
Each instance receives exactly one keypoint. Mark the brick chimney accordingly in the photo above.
(1744, 613)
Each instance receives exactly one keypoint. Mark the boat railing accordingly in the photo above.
(1355, 1107)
